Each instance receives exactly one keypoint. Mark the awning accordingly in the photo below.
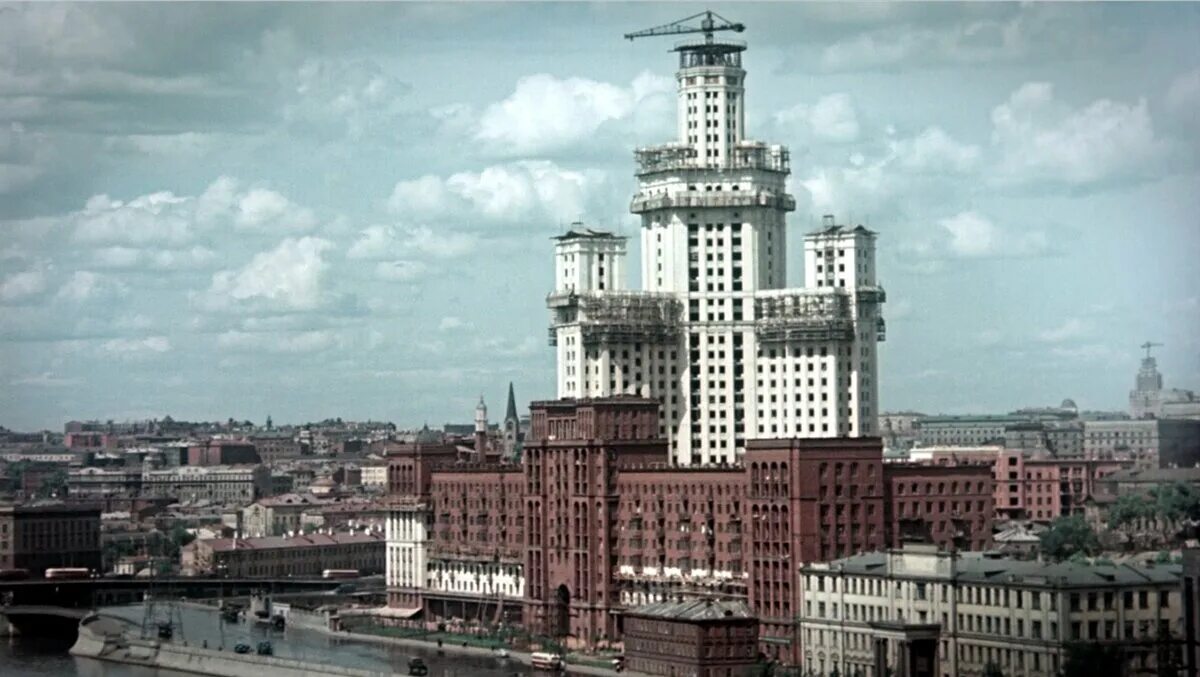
(382, 612)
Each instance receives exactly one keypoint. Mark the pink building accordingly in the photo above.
(89, 440)
(1034, 486)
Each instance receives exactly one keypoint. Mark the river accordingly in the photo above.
(21, 656)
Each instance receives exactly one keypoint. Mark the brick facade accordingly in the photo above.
(595, 522)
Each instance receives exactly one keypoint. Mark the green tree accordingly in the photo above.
(55, 484)
(1069, 536)
(1126, 509)
(992, 670)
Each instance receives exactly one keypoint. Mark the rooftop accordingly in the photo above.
(706, 609)
(280, 542)
(579, 231)
(1154, 475)
(978, 567)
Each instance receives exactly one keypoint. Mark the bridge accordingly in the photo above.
(54, 607)
(41, 621)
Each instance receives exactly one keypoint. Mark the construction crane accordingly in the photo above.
(1147, 346)
(707, 26)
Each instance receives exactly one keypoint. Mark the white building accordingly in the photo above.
(1019, 615)
(1149, 399)
(408, 526)
(238, 484)
(374, 476)
(714, 333)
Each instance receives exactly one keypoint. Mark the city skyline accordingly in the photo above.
(347, 212)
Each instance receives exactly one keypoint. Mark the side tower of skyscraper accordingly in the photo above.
(714, 334)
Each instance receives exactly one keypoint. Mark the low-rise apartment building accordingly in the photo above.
(697, 637)
(283, 556)
(218, 483)
(99, 483)
(1020, 616)
(38, 536)
(1152, 443)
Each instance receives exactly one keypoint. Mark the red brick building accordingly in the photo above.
(571, 463)
(222, 452)
(808, 500)
(951, 506)
(693, 638)
(595, 523)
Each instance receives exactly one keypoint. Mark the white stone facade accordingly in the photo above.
(1017, 615)
(480, 579)
(714, 333)
(407, 539)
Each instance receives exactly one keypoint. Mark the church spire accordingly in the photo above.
(510, 413)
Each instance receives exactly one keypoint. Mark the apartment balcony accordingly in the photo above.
(874, 294)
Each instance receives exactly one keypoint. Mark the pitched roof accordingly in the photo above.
(510, 412)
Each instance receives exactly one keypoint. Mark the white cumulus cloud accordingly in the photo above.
(531, 191)
(545, 112)
(287, 278)
(24, 285)
(277, 342)
(84, 285)
(379, 242)
(1042, 139)
(137, 346)
(400, 271)
(971, 234)
(1071, 328)
(832, 118)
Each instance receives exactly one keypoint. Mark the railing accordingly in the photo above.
(761, 198)
(750, 155)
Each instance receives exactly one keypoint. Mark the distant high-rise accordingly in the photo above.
(714, 334)
(1149, 399)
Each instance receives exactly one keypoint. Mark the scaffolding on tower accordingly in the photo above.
(804, 316)
(617, 317)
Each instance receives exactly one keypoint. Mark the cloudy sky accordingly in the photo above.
(319, 210)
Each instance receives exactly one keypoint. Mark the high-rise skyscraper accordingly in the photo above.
(714, 334)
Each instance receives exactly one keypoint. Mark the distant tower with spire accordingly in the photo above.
(481, 429)
(1145, 400)
(512, 427)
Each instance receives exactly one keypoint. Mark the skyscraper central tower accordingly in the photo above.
(714, 334)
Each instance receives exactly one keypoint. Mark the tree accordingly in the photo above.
(1126, 509)
(992, 670)
(1069, 536)
(54, 484)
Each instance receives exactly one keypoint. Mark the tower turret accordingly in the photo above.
(481, 429)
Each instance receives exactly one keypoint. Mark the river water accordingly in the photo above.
(20, 656)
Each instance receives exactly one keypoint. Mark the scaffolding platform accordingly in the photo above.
(617, 317)
(804, 316)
